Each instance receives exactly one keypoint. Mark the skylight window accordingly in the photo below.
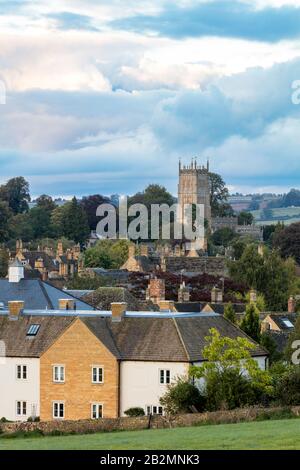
(288, 323)
(33, 330)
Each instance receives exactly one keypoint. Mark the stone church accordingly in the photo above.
(194, 187)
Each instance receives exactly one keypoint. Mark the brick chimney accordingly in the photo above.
(118, 310)
(156, 290)
(291, 305)
(15, 307)
(66, 304)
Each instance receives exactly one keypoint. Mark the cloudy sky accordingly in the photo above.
(105, 96)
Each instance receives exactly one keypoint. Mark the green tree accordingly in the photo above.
(181, 397)
(270, 275)
(288, 241)
(269, 344)
(108, 254)
(250, 323)
(229, 313)
(75, 224)
(245, 218)
(232, 377)
(20, 227)
(3, 262)
(219, 197)
(16, 193)
(153, 194)
(287, 389)
(223, 237)
(4, 221)
(46, 202)
(90, 205)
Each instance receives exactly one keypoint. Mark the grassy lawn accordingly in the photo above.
(282, 434)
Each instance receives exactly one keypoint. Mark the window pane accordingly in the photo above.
(18, 408)
(24, 372)
(24, 408)
(167, 376)
(62, 374)
(19, 372)
(162, 376)
(100, 374)
(94, 374)
(55, 413)
(99, 411)
(61, 410)
(94, 412)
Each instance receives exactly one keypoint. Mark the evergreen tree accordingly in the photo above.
(250, 323)
(75, 222)
(229, 313)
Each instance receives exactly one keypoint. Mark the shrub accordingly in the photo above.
(287, 389)
(136, 411)
(182, 397)
(230, 389)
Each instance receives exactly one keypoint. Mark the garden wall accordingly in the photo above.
(145, 422)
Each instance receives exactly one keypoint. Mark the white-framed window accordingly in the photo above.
(21, 408)
(58, 408)
(164, 376)
(154, 410)
(58, 373)
(21, 372)
(97, 374)
(96, 410)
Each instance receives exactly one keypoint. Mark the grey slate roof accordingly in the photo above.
(177, 339)
(18, 344)
(36, 294)
(134, 338)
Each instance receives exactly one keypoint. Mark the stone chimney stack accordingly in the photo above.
(15, 308)
(66, 304)
(118, 310)
(144, 250)
(15, 271)
(253, 296)
(156, 290)
(166, 306)
(216, 295)
(183, 293)
(291, 305)
(131, 251)
(60, 249)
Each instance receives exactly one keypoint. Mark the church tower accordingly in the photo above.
(194, 187)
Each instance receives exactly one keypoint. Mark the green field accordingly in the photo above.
(279, 215)
(283, 434)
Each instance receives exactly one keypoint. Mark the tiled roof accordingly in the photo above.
(18, 344)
